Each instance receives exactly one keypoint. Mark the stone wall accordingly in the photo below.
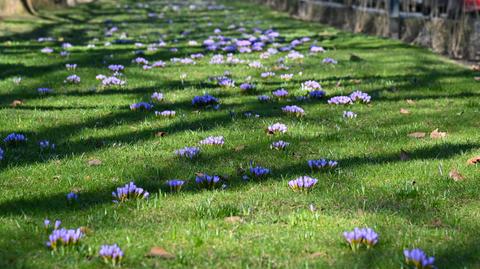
(458, 39)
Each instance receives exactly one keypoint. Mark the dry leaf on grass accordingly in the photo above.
(94, 162)
(404, 156)
(233, 219)
(474, 160)
(161, 134)
(455, 175)
(404, 111)
(435, 134)
(16, 103)
(410, 101)
(476, 67)
(476, 78)
(239, 148)
(160, 252)
(417, 135)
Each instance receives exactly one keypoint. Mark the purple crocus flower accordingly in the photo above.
(111, 254)
(226, 82)
(329, 61)
(175, 184)
(72, 79)
(213, 140)
(286, 76)
(157, 96)
(129, 191)
(280, 93)
(46, 224)
(46, 145)
(64, 238)
(358, 96)
(112, 81)
(303, 183)
(165, 113)
(418, 258)
(349, 114)
(311, 85)
(322, 164)
(204, 101)
(15, 139)
(72, 197)
(57, 224)
(71, 66)
(141, 106)
(116, 68)
(267, 74)
(277, 128)
(359, 236)
(279, 145)
(47, 50)
(316, 49)
(140, 60)
(2, 154)
(263, 98)
(316, 94)
(207, 181)
(159, 64)
(44, 90)
(188, 152)
(340, 100)
(295, 110)
(247, 87)
(258, 171)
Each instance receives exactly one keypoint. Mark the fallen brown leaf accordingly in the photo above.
(161, 134)
(474, 160)
(404, 111)
(94, 162)
(318, 255)
(476, 78)
(404, 156)
(417, 135)
(410, 101)
(339, 83)
(476, 67)
(160, 252)
(239, 148)
(435, 134)
(437, 223)
(16, 103)
(233, 219)
(455, 175)
(357, 81)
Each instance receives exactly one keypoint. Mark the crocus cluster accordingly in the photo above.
(47, 50)
(418, 258)
(44, 90)
(157, 96)
(207, 181)
(349, 114)
(140, 60)
(263, 98)
(303, 183)
(116, 68)
(73, 79)
(188, 152)
(316, 94)
(46, 145)
(64, 238)
(128, 192)
(294, 110)
(166, 113)
(361, 236)
(111, 254)
(311, 85)
(72, 197)
(15, 139)
(204, 100)
(316, 49)
(247, 87)
(361, 97)
(258, 171)
(279, 145)
(277, 128)
(213, 140)
(280, 93)
(175, 184)
(71, 66)
(286, 76)
(141, 106)
(329, 61)
(112, 81)
(226, 82)
(267, 74)
(322, 164)
(340, 100)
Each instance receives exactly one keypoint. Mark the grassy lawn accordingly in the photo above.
(386, 180)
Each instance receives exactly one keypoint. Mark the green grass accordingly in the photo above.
(372, 186)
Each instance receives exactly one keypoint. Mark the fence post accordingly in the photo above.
(394, 18)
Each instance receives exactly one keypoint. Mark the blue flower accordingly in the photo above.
(357, 237)
(188, 152)
(418, 258)
(322, 164)
(46, 145)
(295, 110)
(15, 139)
(316, 94)
(349, 114)
(303, 183)
(175, 184)
(72, 197)
(258, 171)
(213, 140)
(129, 191)
(141, 106)
(111, 254)
(279, 145)
(207, 181)
(358, 96)
(64, 238)
(2, 154)
(204, 101)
